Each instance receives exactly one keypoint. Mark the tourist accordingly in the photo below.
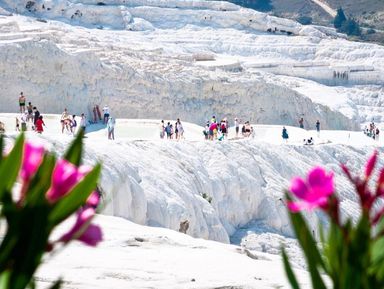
(64, 120)
(318, 128)
(30, 111)
(176, 131)
(223, 128)
(247, 129)
(17, 124)
(213, 130)
(206, 131)
(83, 122)
(2, 127)
(39, 124)
(106, 114)
(301, 122)
(237, 127)
(180, 129)
(36, 115)
(24, 120)
(73, 124)
(111, 128)
(22, 101)
(162, 129)
(285, 134)
(172, 131)
(308, 141)
(377, 132)
(168, 130)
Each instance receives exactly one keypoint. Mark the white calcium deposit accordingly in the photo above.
(188, 59)
(154, 59)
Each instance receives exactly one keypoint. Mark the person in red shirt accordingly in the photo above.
(39, 124)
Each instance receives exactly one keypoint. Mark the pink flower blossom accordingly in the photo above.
(370, 165)
(93, 199)
(380, 184)
(65, 176)
(84, 231)
(313, 192)
(32, 157)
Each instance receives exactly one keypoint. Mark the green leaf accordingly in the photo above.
(4, 279)
(73, 154)
(1, 147)
(308, 244)
(10, 166)
(75, 198)
(379, 229)
(32, 235)
(288, 270)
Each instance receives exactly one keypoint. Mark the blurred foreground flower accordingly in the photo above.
(50, 192)
(313, 192)
(350, 254)
(83, 230)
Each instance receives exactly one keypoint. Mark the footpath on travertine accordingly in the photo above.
(325, 7)
(149, 130)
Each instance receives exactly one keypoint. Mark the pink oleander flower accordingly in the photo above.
(32, 157)
(65, 176)
(313, 192)
(370, 165)
(82, 230)
(380, 184)
(93, 199)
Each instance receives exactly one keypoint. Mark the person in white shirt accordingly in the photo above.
(111, 128)
(83, 122)
(106, 114)
(24, 119)
(162, 129)
(180, 129)
(64, 120)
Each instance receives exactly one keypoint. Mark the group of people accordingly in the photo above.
(214, 129)
(69, 122)
(218, 130)
(29, 114)
(172, 131)
(306, 141)
(372, 131)
(317, 124)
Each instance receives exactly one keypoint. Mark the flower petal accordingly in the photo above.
(316, 176)
(92, 235)
(93, 200)
(83, 217)
(299, 187)
(370, 165)
(64, 177)
(32, 157)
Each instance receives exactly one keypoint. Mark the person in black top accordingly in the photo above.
(36, 115)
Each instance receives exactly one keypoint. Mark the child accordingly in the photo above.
(73, 124)
(39, 124)
(17, 124)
